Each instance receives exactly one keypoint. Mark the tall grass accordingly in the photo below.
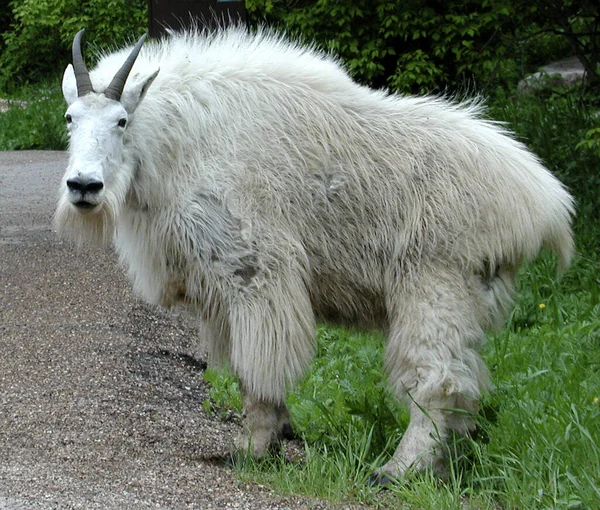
(544, 443)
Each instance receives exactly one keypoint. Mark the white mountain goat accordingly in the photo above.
(253, 180)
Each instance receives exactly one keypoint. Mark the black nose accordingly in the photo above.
(84, 185)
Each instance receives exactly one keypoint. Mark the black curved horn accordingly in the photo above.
(116, 86)
(82, 77)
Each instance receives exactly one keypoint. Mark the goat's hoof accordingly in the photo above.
(287, 432)
(381, 479)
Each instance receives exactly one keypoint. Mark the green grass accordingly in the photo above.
(37, 125)
(544, 443)
(540, 433)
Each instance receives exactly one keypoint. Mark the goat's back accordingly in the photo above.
(357, 179)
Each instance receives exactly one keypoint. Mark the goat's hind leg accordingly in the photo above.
(434, 367)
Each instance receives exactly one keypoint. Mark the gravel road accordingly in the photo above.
(100, 395)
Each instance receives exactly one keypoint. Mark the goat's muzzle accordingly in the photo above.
(84, 194)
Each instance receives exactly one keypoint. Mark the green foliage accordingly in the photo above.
(5, 19)
(41, 33)
(332, 395)
(224, 394)
(590, 141)
(409, 46)
(543, 450)
(577, 22)
(428, 46)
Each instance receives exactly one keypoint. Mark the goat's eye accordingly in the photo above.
(68, 118)
(122, 123)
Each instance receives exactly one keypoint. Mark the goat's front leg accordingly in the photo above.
(272, 342)
(265, 424)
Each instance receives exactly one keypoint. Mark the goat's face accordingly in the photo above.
(97, 155)
(100, 167)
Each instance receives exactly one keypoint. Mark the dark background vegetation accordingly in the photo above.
(427, 45)
(406, 45)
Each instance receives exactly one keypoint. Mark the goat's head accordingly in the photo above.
(100, 170)
(97, 123)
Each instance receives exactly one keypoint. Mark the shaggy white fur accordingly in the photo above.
(257, 183)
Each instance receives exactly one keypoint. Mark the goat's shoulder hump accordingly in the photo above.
(236, 54)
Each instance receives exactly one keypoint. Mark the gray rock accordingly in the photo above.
(563, 73)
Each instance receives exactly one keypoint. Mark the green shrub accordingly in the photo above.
(39, 39)
(428, 46)
(409, 46)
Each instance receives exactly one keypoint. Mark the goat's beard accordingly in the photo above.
(94, 228)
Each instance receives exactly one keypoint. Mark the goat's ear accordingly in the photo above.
(133, 95)
(69, 85)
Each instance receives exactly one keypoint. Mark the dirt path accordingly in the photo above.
(100, 395)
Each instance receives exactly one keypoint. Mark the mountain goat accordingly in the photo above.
(251, 179)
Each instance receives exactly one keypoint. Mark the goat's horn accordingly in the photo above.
(116, 86)
(82, 77)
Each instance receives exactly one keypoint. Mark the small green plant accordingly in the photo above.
(591, 141)
(224, 395)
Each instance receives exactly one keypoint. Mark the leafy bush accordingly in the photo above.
(409, 46)
(426, 46)
(41, 32)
